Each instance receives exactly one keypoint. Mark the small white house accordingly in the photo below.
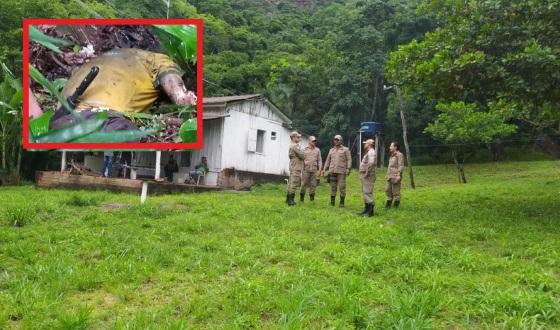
(246, 141)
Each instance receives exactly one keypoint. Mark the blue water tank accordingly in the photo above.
(371, 127)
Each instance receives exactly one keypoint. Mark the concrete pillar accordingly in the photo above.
(144, 193)
(158, 165)
(63, 161)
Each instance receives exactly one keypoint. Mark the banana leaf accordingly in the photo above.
(114, 137)
(53, 88)
(188, 130)
(70, 133)
(40, 126)
(179, 41)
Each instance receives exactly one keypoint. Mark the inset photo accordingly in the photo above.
(112, 84)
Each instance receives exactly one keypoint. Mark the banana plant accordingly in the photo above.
(179, 42)
(10, 121)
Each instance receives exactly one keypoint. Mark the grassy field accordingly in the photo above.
(481, 255)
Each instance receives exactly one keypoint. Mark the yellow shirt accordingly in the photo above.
(128, 80)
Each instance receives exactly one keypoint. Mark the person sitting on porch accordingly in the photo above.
(170, 168)
(199, 170)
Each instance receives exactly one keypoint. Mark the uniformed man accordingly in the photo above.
(394, 176)
(311, 166)
(296, 167)
(367, 177)
(338, 165)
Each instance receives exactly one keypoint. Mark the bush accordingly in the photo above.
(19, 216)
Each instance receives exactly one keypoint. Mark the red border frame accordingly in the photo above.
(161, 145)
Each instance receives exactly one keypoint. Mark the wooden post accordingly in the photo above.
(158, 165)
(382, 152)
(360, 149)
(408, 156)
(376, 150)
(63, 161)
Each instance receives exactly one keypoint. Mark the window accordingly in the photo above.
(185, 159)
(260, 141)
(273, 136)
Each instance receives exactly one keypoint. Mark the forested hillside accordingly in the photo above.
(324, 62)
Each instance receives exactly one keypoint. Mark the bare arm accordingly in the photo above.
(174, 87)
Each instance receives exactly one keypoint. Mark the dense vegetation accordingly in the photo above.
(454, 256)
(325, 62)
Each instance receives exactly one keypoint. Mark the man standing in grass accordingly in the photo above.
(367, 178)
(311, 165)
(338, 164)
(296, 167)
(394, 176)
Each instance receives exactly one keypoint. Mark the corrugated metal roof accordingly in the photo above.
(226, 99)
(219, 103)
(213, 115)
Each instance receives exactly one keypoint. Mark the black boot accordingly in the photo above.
(365, 210)
(370, 210)
(388, 204)
(291, 199)
(397, 203)
(312, 197)
(287, 198)
(301, 197)
(341, 204)
(332, 200)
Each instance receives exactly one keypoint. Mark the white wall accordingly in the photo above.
(212, 149)
(273, 160)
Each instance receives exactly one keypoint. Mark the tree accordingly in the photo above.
(500, 52)
(462, 126)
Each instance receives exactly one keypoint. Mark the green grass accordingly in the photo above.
(484, 255)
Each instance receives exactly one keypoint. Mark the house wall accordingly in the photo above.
(212, 131)
(243, 117)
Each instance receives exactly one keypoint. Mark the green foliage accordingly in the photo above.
(460, 123)
(77, 130)
(488, 52)
(115, 136)
(10, 121)
(18, 216)
(53, 88)
(188, 131)
(179, 41)
(47, 41)
(462, 126)
(40, 126)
